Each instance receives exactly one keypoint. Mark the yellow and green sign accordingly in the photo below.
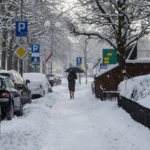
(109, 56)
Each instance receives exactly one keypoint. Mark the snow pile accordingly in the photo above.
(30, 131)
(137, 88)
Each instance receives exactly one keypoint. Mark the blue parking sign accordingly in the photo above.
(35, 48)
(21, 28)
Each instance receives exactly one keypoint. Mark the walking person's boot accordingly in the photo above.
(70, 97)
(73, 95)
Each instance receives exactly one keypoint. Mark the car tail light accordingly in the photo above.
(54, 78)
(15, 84)
(5, 94)
(41, 86)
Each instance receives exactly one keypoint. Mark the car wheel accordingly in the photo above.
(10, 114)
(20, 112)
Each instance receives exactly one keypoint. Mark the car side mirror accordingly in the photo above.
(27, 81)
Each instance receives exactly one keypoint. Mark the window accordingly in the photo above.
(12, 84)
(9, 84)
(20, 77)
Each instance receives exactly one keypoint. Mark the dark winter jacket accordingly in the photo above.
(71, 80)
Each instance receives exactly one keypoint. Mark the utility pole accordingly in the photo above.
(86, 58)
(52, 48)
(21, 20)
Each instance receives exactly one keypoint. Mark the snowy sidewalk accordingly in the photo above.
(55, 122)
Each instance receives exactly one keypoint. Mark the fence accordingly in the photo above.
(138, 112)
(108, 95)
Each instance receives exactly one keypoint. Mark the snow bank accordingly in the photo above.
(137, 88)
(30, 131)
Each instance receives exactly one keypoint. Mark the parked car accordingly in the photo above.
(39, 84)
(10, 98)
(20, 84)
(58, 80)
(54, 80)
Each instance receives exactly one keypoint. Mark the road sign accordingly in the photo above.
(103, 66)
(48, 56)
(99, 59)
(21, 40)
(78, 61)
(21, 52)
(35, 48)
(21, 28)
(35, 60)
(109, 56)
(95, 64)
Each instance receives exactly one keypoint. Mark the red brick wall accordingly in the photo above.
(111, 79)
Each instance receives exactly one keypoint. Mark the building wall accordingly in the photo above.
(111, 79)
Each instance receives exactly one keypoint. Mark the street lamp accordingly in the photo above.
(47, 25)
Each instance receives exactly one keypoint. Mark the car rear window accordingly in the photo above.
(2, 83)
(5, 74)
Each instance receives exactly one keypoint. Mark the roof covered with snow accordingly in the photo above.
(140, 60)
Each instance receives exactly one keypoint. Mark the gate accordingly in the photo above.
(108, 95)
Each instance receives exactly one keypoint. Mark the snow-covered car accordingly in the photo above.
(19, 83)
(10, 98)
(54, 79)
(39, 84)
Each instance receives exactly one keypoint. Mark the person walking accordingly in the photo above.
(71, 83)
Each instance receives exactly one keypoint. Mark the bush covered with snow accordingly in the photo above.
(135, 88)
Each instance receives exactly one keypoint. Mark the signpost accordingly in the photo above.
(35, 59)
(79, 64)
(21, 38)
(109, 56)
(78, 61)
(103, 66)
(21, 52)
(95, 64)
(48, 57)
(22, 28)
(99, 59)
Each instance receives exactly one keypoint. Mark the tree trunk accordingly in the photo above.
(122, 64)
(15, 63)
(4, 49)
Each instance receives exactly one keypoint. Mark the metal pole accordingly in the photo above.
(86, 73)
(86, 58)
(52, 50)
(21, 20)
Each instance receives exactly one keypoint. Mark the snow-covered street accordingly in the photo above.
(55, 122)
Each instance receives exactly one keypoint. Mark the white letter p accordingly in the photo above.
(21, 26)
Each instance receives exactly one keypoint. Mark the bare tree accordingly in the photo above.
(116, 21)
(87, 48)
(36, 12)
